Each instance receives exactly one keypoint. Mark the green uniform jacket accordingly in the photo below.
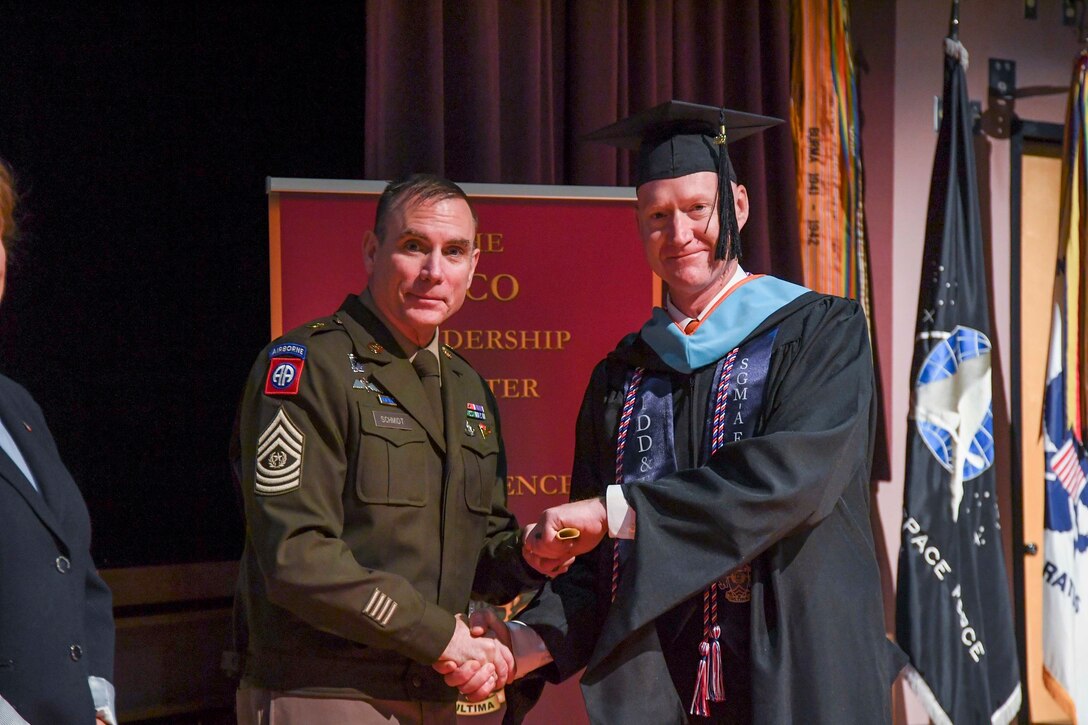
(365, 528)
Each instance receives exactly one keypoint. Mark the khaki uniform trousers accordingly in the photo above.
(257, 706)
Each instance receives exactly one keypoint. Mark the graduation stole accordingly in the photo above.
(645, 451)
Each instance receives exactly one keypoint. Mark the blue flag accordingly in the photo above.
(953, 615)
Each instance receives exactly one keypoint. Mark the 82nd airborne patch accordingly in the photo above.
(279, 457)
(286, 361)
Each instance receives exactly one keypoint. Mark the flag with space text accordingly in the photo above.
(1065, 537)
(953, 612)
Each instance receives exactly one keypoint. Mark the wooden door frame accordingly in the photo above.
(1025, 136)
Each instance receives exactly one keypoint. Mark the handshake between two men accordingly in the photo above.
(483, 654)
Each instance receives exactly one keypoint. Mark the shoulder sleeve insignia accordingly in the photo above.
(288, 349)
(279, 457)
(284, 375)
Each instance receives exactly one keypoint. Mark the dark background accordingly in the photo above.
(141, 136)
(137, 296)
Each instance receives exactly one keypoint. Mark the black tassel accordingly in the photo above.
(728, 231)
(725, 205)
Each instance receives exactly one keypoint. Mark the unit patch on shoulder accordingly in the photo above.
(288, 349)
(279, 457)
(286, 361)
(284, 375)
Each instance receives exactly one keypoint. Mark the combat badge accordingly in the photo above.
(279, 457)
(285, 368)
(356, 366)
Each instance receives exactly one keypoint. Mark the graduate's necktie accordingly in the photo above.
(426, 365)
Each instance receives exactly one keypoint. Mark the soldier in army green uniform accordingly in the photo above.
(373, 477)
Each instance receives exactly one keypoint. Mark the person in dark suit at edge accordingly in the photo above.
(56, 614)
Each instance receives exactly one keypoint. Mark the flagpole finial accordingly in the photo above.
(954, 22)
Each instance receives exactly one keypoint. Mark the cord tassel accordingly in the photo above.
(700, 702)
(715, 686)
(725, 203)
(731, 224)
(728, 228)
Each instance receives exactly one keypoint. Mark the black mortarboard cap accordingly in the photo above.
(677, 138)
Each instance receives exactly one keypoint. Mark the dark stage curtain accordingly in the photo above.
(502, 90)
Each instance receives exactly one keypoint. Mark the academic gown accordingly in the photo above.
(792, 501)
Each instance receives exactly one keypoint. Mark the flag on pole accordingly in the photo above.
(953, 615)
(824, 120)
(1065, 538)
(830, 182)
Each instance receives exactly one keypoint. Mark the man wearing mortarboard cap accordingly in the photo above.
(726, 570)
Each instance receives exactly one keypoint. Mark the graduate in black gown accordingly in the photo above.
(726, 570)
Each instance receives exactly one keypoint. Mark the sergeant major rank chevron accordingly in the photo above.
(279, 457)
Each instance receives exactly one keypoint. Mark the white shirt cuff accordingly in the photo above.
(528, 648)
(8, 715)
(621, 517)
(105, 705)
